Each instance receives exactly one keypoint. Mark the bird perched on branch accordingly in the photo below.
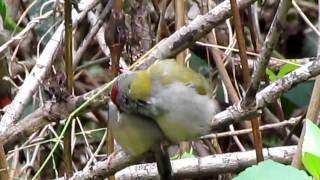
(169, 95)
(138, 134)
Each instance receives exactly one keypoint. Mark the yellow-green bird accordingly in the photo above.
(138, 134)
(172, 95)
(166, 102)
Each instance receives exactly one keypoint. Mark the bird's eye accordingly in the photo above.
(126, 100)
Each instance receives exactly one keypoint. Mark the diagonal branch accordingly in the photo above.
(190, 33)
(267, 95)
(267, 49)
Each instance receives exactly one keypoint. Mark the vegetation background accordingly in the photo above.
(59, 57)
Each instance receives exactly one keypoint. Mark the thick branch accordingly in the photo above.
(191, 167)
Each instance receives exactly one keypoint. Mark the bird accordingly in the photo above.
(168, 99)
(174, 96)
(137, 134)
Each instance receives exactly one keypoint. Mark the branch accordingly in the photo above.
(266, 96)
(50, 112)
(184, 168)
(190, 33)
(291, 122)
(269, 44)
(38, 73)
(94, 29)
(102, 169)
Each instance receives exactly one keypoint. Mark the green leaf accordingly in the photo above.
(282, 72)
(272, 76)
(11, 25)
(311, 149)
(196, 62)
(286, 69)
(2, 9)
(185, 155)
(300, 94)
(269, 169)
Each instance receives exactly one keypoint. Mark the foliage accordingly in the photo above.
(282, 72)
(311, 149)
(11, 25)
(2, 9)
(142, 29)
(269, 169)
(184, 155)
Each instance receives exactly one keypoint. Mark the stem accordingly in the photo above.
(67, 154)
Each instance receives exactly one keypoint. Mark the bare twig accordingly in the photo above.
(255, 122)
(279, 125)
(28, 28)
(190, 33)
(267, 95)
(4, 173)
(305, 18)
(91, 34)
(268, 46)
(67, 154)
(179, 10)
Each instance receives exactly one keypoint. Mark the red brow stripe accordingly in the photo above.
(4, 101)
(114, 93)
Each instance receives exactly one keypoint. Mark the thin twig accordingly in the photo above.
(67, 153)
(305, 18)
(83, 47)
(272, 38)
(190, 33)
(279, 125)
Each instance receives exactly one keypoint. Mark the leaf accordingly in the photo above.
(269, 169)
(286, 69)
(185, 155)
(272, 76)
(311, 149)
(2, 9)
(11, 25)
(300, 94)
(282, 72)
(196, 62)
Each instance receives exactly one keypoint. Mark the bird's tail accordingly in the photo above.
(164, 164)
